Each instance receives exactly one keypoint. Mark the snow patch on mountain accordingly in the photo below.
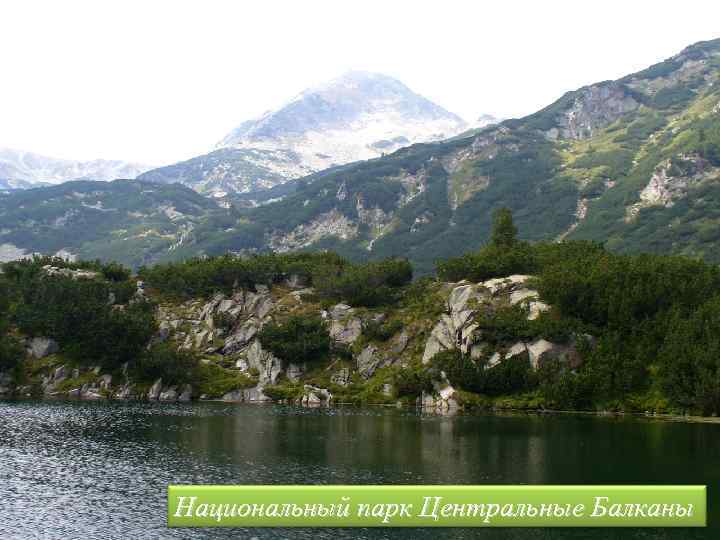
(357, 116)
(21, 170)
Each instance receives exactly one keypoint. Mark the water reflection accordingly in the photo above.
(98, 470)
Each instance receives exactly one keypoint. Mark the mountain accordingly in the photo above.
(357, 116)
(634, 163)
(121, 220)
(20, 170)
(9, 185)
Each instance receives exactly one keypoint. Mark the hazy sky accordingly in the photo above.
(157, 81)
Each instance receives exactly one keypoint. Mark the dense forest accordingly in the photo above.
(647, 326)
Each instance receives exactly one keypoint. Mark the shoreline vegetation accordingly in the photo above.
(543, 328)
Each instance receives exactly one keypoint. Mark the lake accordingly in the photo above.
(92, 470)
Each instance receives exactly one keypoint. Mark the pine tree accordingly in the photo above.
(504, 231)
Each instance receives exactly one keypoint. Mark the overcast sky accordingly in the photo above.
(157, 81)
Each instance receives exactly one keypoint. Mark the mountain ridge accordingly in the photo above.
(25, 169)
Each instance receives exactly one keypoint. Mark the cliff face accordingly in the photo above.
(371, 346)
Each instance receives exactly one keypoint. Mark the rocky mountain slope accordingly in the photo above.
(633, 162)
(20, 170)
(355, 117)
(121, 220)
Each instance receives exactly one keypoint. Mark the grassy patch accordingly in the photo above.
(215, 381)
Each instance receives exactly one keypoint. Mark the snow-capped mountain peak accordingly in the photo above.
(357, 116)
(372, 106)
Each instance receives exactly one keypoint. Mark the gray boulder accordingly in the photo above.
(124, 392)
(268, 366)
(241, 337)
(340, 311)
(249, 395)
(40, 347)
(155, 390)
(442, 338)
(341, 377)
(235, 395)
(169, 394)
(60, 374)
(314, 396)
(347, 331)
(91, 394)
(344, 327)
(367, 361)
(185, 393)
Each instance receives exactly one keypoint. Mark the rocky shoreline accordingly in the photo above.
(223, 331)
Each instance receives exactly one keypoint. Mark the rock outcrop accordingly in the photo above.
(54, 271)
(40, 347)
(593, 107)
(314, 396)
(457, 328)
(442, 400)
(344, 326)
(671, 181)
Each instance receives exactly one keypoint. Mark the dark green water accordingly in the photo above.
(99, 470)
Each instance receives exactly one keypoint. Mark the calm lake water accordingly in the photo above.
(99, 469)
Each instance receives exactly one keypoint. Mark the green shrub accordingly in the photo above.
(164, 361)
(79, 316)
(27, 268)
(617, 161)
(289, 392)
(371, 284)
(115, 272)
(672, 96)
(561, 387)
(299, 339)
(490, 262)
(206, 276)
(512, 375)
(504, 232)
(215, 381)
(412, 381)
(690, 358)
(123, 291)
(10, 349)
(503, 325)
(381, 330)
